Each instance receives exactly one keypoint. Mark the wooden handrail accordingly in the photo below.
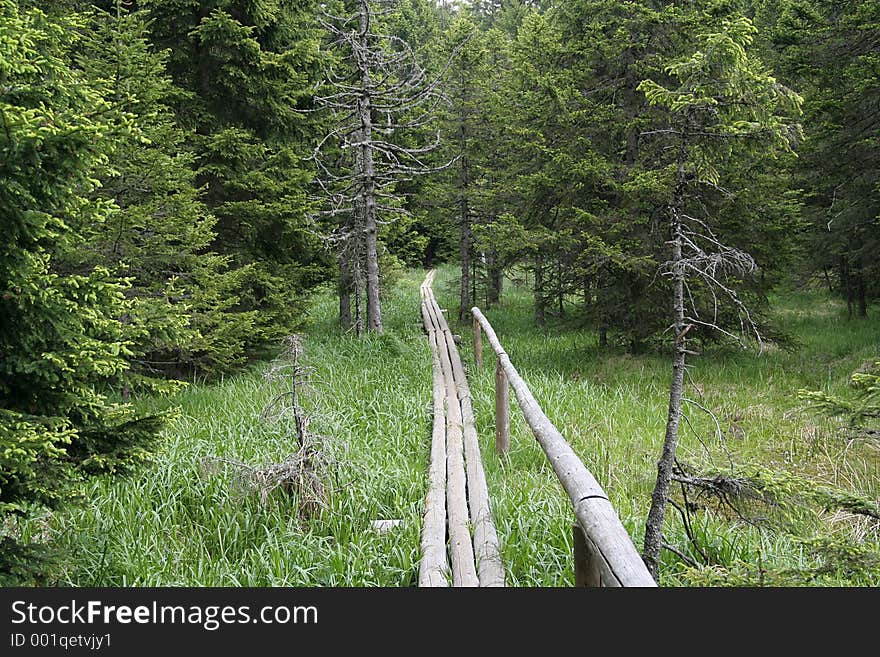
(609, 548)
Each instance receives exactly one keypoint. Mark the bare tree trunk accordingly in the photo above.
(654, 524)
(371, 224)
(539, 291)
(358, 296)
(365, 159)
(346, 283)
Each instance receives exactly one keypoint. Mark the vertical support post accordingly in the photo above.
(586, 571)
(478, 343)
(502, 410)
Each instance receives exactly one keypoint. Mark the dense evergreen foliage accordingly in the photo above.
(63, 333)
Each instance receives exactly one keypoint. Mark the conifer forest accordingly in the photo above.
(224, 224)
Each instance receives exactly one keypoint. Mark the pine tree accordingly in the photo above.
(184, 316)
(248, 71)
(719, 103)
(62, 340)
(830, 50)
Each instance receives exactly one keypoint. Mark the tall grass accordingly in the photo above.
(179, 523)
(612, 408)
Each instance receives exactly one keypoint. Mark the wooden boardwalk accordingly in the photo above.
(459, 541)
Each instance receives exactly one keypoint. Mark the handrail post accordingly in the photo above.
(502, 410)
(478, 343)
(586, 570)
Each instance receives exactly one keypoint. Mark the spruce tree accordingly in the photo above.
(184, 316)
(720, 103)
(248, 71)
(62, 337)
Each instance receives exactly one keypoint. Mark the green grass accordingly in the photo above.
(612, 408)
(174, 523)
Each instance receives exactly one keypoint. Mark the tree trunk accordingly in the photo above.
(654, 524)
(632, 104)
(846, 285)
(560, 290)
(465, 291)
(496, 279)
(371, 224)
(358, 296)
(346, 283)
(861, 295)
(465, 243)
(539, 291)
(473, 300)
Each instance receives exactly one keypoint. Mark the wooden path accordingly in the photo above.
(459, 541)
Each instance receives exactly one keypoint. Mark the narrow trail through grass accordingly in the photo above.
(180, 523)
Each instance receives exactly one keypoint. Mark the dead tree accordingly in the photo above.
(726, 104)
(380, 101)
(697, 256)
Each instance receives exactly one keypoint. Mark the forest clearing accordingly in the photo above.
(373, 402)
(276, 277)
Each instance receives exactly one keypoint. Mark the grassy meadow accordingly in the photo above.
(184, 520)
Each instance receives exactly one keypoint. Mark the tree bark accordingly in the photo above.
(560, 290)
(846, 285)
(346, 283)
(539, 291)
(358, 297)
(632, 101)
(371, 224)
(496, 279)
(473, 299)
(465, 243)
(861, 295)
(656, 515)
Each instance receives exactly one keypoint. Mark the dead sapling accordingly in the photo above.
(305, 473)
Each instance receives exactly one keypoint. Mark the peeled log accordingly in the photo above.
(486, 550)
(613, 551)
(461, 549)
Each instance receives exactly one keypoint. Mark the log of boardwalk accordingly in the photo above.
(608, 542)
(461, 550)
(474, 561)
(486, 551)
(434, 566)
